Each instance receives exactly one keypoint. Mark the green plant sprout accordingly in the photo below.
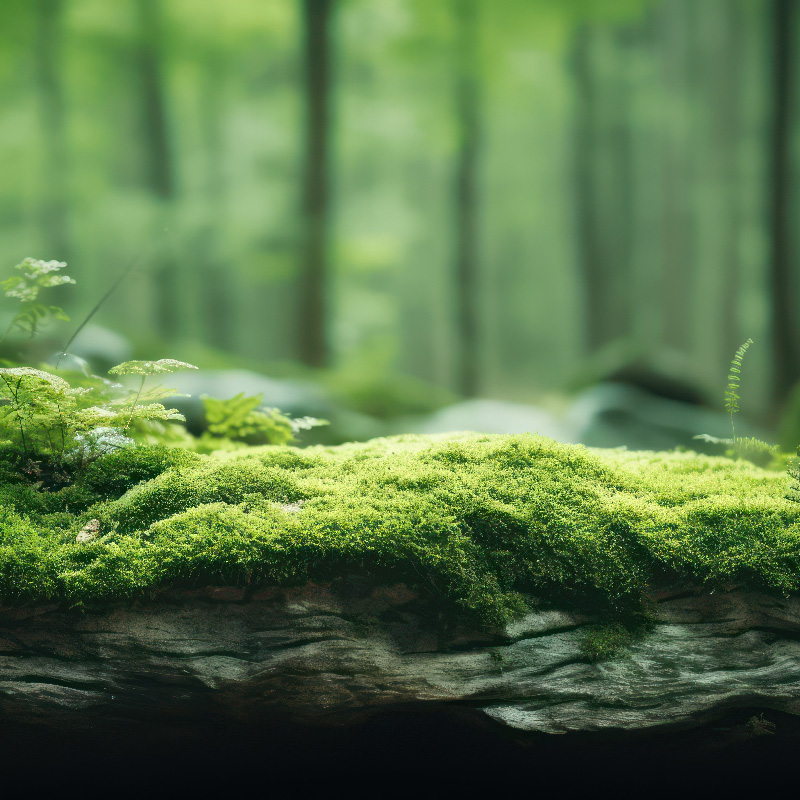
(145, 368)
(243, 419)
(58, 425)
(731, 394)
(747, 447)
(57, 429)
(36, 275)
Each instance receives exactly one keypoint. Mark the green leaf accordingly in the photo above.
(238, 419)
(226, 417)
(26, 375)
(149, 367)
(58, 313)
(36, 275)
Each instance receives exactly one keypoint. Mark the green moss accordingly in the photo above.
(476, 521)
(115, 473)
(604, 642)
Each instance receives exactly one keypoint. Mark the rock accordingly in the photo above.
(339, 651)
(89, 531)
(298, 398)
(612, 414)
(490, 416)
(101, 347)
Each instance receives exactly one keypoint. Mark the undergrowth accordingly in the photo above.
(57, 423)
(90, 515)
(746, 447)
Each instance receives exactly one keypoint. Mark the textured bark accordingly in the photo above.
(339, 652)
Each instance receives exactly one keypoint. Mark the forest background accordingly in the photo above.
(471, 198)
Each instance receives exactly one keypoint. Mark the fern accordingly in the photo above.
(53, 426)
(56, 428)
(144, 368)
(793, 470)
(36, 275)
(731, 392)
(242, 419)
(748, 447)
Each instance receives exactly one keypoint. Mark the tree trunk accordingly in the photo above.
(728, 119)
(159, 177)
(216, 301)
(786, 359)
(312, 341)
(49, 16)
(678, 265)
(466, 186)
(602, 191)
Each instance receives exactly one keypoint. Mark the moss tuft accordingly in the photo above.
(476, 521)
(604, 642)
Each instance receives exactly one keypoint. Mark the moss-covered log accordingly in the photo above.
(474, 521)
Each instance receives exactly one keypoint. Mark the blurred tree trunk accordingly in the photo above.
(216, 288)
(728, 119)
(466, 188)
(602, 188)
(312, 341)
(678, 267)
(159, 177)
(786, 352)
(54, 204)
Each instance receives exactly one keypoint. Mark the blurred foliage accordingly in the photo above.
(625, 137)
(244, 420)
(386, 396)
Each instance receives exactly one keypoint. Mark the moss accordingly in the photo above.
(477, 521)
(604, 642)
(116, 472)
(107, 477)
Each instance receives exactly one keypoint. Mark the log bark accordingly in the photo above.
(337, 652)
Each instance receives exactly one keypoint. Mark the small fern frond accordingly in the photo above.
(731, 391)
(793, 471)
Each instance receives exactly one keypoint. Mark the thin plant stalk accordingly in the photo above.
(135, 401)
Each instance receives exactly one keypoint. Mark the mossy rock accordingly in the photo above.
(476, 521)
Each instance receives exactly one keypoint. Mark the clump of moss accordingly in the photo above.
(107, 478)
(120, 470)
(603, 642)
(476, 521)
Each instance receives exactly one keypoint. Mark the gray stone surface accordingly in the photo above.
(489, 416)
(319, 653)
